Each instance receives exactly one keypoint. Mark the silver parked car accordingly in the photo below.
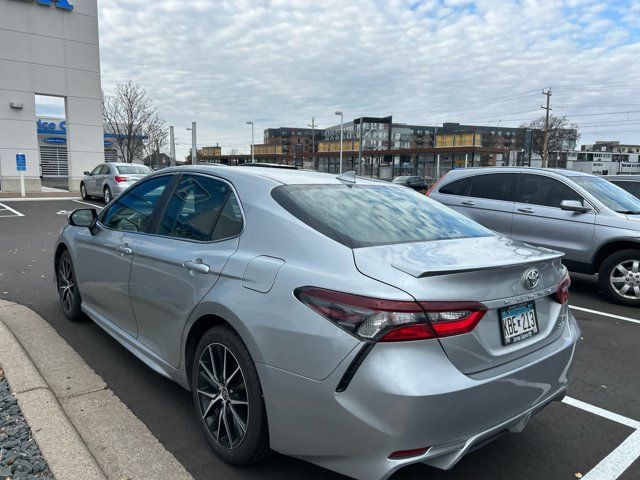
(595, 223)
(352, 323)
(109, 180)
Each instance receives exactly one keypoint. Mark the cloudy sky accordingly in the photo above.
(279, 63)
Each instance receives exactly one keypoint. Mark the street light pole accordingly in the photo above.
(341, 122)
(172, 147)
(253, 159)
(194, 145)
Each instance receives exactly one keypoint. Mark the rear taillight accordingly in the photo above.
(391, 320)
(120, 179)
(562, 294)
(401, 454)
(434, 186)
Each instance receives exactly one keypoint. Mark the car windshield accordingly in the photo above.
(611, 195)
(134, 170)
(369, 215)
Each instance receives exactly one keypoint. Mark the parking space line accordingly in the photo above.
(604, 314)
(614, 464)
(15, 212)
(87, 203)
(601, 412)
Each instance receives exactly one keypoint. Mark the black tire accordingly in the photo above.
(83, 192)
(106, 195)
(69, 295)
(631, 279)
(245, 448)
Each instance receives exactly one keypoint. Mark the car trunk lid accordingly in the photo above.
(489, 270)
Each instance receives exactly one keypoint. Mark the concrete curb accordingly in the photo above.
(83, 430)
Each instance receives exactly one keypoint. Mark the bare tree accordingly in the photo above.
(563, 136)
(130, 115)
(157, 141)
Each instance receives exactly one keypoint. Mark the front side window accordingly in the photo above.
(498, 186)
(369, 215)
(197, 203)
(545, 191)
(132, 211)
(96, 170)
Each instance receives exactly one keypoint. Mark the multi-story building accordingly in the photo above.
(294, 140)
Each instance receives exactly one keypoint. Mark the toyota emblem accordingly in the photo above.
(531, 278)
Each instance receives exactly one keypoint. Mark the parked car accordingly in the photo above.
(594, 222)
(630, 183)
(108, 180)
(352, 323)
(417, 183)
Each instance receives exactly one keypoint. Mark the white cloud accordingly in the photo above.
(279, 62)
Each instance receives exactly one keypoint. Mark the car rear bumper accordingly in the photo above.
(408, 396)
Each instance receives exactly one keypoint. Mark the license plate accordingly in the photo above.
(518, 322)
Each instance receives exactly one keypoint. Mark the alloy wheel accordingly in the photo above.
(625, 279)
(222, 395)
(83, 191)
(66, 284)
(107, 195)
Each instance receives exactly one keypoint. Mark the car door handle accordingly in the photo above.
(467, 202)
(525, 210)
(197, 267)
(124, 249)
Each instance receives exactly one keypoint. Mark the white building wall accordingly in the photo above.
(49, 51)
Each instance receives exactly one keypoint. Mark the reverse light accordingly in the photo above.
(391, 320)
(120, 179)
(562, 294)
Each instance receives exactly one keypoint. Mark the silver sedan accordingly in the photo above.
(355, 324)
(109, 180)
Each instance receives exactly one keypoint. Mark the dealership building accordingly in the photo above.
(49, 48)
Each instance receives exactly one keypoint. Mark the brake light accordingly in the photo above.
(434, 185)
(416, 452)
(119, 178)
(391, 320)
(562, 294)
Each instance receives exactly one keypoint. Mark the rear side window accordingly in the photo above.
(369, 215)
(498, 186)
(457, 187)
(105, 170)
(195, 207)
(545, 191)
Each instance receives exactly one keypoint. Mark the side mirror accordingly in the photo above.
(574, 206)
(87, 174)
(84, 217)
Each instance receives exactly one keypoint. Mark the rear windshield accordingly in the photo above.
(368, 215)
(611, 195)
(134, 170)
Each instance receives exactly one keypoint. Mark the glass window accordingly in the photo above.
(96, 170)
(132, 211)
(457, 187)
(134, 170)
(498, 186)
(611, 195)
(632, 187)
(194, 208)
(229, 222)
(546, 191)
(369, 215)
(105, 170)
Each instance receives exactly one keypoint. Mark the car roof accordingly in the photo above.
(634, 178)
(557, 171)
(282, 176)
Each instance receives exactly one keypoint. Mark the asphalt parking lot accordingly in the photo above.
(594, 439)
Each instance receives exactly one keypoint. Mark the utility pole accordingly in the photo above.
(313, 141)
(339, 112)
(194, 145)
(172, 147)
(253, 158)
(545, 146)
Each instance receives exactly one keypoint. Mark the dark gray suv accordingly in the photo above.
(594, 222)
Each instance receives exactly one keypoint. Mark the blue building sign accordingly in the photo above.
(21, 162)
(52, 127)
(55, 140)
(61, 4)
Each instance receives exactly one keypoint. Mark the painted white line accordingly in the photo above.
(87, 203)
(604, 314)
(601, 412)
(36, 199)
(17, 213)
(614, 464)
